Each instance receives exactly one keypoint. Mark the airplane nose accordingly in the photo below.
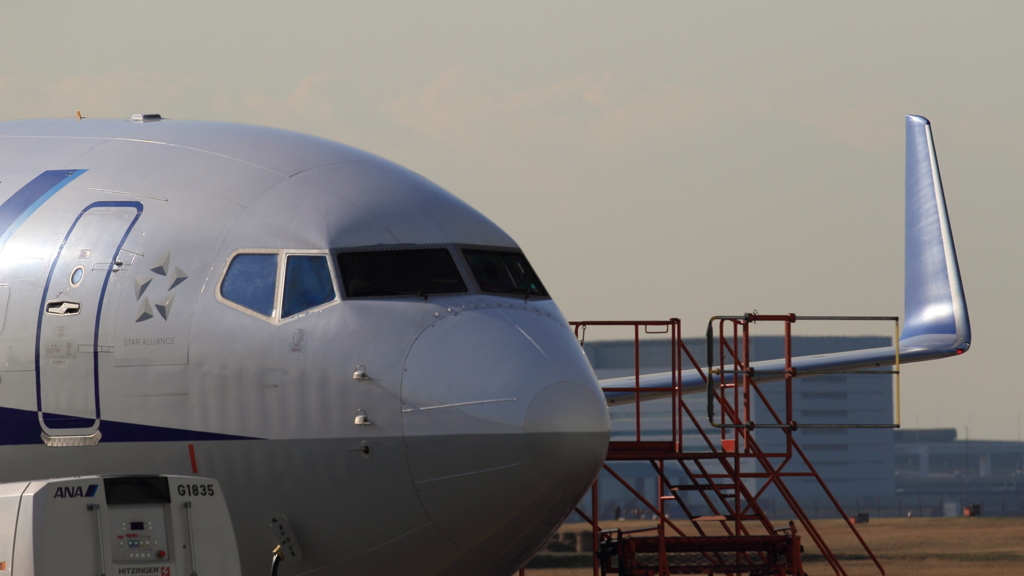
(566, 422)
(505, 428)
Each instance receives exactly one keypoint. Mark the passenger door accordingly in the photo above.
(68, 337)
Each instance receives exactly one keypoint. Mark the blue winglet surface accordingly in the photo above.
(934, 307)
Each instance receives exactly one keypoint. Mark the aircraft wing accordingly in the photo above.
(936, 323)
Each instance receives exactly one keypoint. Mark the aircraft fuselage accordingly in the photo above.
(175, 304)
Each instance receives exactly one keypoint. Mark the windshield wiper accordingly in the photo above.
(529, 289)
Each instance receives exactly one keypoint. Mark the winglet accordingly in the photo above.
(934, 307)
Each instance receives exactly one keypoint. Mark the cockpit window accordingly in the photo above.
(307, 284)
(503, 272)
(403, 272)
(250, 282)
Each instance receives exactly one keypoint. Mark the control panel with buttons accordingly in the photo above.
(138, 533)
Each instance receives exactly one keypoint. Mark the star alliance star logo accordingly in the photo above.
(142, 284)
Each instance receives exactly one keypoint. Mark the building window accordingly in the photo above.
(823, 395)
(824, 413)
(827, 447)
(822, 378)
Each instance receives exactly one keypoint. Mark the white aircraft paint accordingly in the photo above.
(486, 423)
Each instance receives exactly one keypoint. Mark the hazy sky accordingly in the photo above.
(654, 159)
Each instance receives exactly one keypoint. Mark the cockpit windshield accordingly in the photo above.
(401, 272)
(254, 282)
(503, 272)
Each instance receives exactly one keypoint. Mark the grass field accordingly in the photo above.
(917, 546)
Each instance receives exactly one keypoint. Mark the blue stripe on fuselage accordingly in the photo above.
(22, 427)
(30, 197)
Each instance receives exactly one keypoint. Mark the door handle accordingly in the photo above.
(115, 266)
(63, 308)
